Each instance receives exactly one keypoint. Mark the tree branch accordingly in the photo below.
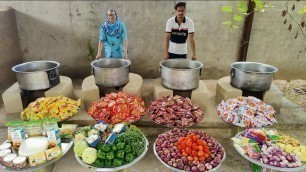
(294, 19)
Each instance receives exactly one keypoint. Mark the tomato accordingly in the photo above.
(188, 150)
(200, 148)
(184, 144)
(184, 154)
(195, 158)
(190, 158)
(195, 146)
(194, 153)
(200, 142)
(195, 138)
(200, 153)
(206, 149)
(206, 155)
(201, 158)
(189, 143)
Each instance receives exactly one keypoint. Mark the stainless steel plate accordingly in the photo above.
(115, 168)
(65, 145)
(266, 165)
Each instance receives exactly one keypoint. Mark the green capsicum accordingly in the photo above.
(128, 149)
(120, 145)
(106, 148)
(113, 147)
(119, 140)
(107, 162)
(101, 154)
(99, 146)
(119, 154)
(98, 163)
(129, 157)
(117, 162)
(110, 155)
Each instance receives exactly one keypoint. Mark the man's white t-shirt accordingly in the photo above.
(179, 34)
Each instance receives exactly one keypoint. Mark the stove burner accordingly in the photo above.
(257, 94)
(107, 90)
(28, 96)
(182, 93)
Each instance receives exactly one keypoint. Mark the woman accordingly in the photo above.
(113, 37)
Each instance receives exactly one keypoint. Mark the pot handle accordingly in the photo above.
(232, 73)
(92, 71)
(52, 75)
(201, 71)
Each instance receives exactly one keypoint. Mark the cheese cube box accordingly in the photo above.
(37, 159)
(53, 153)
(101, 126)
(93, 140)
(111, 138)
(119, 128)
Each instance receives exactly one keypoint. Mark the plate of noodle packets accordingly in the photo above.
(59, 107)
(247, 112)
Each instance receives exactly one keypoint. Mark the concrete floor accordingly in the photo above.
(292, 121)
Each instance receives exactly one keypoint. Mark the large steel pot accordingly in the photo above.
(111, 72)
(180, 74)
(252, 76)
(37, 75)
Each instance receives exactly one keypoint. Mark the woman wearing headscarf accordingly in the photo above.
(113, 37)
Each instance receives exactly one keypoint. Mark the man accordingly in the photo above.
(177, 30)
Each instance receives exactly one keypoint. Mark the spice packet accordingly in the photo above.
(12, 126)
(34, 128)
(18, 136)
(54, 137)
(67, 130)
(49, 123)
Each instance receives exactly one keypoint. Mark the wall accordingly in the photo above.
(9, 48)
(273, 44)
(61, 30)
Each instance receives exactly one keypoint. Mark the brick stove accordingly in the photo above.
(16, 99)
(225, 90)
(92, 92)
(198, 95)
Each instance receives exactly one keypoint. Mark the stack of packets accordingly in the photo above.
(46, 136)
(269, 147)
(246, 112)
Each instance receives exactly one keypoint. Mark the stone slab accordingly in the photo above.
(12, 99)
(274, 97)
(225, 90)
(199, 95)
(90, 91)
(160, 91)
(64, 88)
(134, 86)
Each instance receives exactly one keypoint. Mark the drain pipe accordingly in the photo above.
(246, 32)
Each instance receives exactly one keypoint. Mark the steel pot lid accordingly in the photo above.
(35, 66)
(254, 67)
